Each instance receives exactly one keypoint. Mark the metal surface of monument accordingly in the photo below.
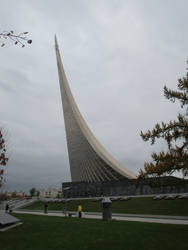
(88, 159)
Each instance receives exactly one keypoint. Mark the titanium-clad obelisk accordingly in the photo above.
(88, 159)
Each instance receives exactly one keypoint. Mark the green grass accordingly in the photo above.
(141, 205)
(55, 233)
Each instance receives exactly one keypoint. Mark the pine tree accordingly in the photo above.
(175, 133)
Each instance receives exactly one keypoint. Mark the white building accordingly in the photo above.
(50, 192)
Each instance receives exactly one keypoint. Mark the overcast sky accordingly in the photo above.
(117, 54)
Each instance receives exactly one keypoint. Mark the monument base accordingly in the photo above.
(127, 187)
(7, 221)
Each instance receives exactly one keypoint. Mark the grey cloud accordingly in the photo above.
(117, 56)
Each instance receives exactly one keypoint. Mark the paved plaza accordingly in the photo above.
(178, 220)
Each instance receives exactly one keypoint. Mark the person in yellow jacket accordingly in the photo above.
(80, 211)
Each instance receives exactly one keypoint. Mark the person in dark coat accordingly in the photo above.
(7, 208)
(46, 207)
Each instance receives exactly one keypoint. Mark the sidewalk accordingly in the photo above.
(178, 220)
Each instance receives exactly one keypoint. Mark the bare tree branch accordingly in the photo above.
(18, 39)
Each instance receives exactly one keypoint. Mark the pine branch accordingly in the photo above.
(175, 133)
(173, 95)
(170, 132)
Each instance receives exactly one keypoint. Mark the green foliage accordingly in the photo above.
(59, 196)
(175, 133)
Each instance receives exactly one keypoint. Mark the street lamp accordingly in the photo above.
(65, 208)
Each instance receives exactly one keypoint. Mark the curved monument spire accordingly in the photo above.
(88, 159)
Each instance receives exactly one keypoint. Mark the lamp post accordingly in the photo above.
(65, 208)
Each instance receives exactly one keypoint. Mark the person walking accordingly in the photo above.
(79, 211)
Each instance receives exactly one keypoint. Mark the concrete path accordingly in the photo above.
(178, 220)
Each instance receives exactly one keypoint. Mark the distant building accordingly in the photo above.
(15, 194)
(50, 192)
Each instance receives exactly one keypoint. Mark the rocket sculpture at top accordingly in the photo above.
(89, 161)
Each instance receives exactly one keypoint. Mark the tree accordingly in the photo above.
(3, 156)
(32, 191)
(18, 39)
(175, 133)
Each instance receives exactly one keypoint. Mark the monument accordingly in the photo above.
(94, 171)
(89, 161)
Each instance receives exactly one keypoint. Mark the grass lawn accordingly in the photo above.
(55, 233)
(143, 205)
